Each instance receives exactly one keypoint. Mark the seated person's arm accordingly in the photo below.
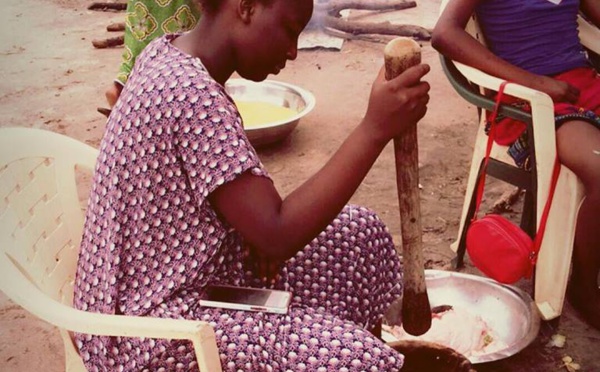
(591, 9)
(450, 38)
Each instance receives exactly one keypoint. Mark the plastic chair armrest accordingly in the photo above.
(23, 292)
(493, 83)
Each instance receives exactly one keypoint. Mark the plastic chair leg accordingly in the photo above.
(554, 260)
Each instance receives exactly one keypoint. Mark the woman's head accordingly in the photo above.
(263, 34)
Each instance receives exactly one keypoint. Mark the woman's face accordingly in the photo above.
(270, 37)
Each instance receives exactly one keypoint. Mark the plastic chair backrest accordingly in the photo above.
(41, 223)
(41, 217)
(41, 214)
(474, 29)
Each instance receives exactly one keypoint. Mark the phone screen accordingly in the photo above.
(237, 295)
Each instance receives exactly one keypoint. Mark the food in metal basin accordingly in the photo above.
(256, 113)
(457, 329)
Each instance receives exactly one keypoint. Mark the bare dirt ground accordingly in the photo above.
(52, 78)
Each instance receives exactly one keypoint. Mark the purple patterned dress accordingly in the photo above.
(152, 242)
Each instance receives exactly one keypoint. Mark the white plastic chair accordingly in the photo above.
(553, 265)
(41, 223)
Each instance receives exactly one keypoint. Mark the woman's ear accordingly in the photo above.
(246, 9)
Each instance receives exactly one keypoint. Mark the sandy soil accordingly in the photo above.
(52, 78)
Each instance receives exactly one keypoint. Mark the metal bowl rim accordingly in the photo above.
(306, 95)
(534, 325)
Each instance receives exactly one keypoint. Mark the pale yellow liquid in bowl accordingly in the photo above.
(256, 113)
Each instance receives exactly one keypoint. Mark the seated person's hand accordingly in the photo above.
(559, 91)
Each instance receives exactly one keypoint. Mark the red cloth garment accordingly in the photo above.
(585, 79)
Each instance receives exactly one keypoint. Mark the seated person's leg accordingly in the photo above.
(578, 145)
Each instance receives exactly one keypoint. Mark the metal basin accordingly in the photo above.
(507, 310)
(274, 92)
(423, 356)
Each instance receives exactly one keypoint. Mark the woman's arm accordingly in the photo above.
(278, 228)
(591, 9)
(450, 38)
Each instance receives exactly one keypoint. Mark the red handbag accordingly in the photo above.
(497, 246)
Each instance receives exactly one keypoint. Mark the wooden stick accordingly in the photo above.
(506, 200)
(381, 28)
(400, 54)
(334, 7)
(107, 6)
(109, 42)
(116, 26)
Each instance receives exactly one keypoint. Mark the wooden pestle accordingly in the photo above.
(400, 54)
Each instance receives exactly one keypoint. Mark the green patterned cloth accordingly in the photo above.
(148, 19)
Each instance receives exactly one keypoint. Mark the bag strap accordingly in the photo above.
(488, 148)
(537, 242)
(539, 236)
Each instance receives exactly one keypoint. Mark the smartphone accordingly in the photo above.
(246, 298)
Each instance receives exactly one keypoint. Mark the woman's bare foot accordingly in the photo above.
(112, 93)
